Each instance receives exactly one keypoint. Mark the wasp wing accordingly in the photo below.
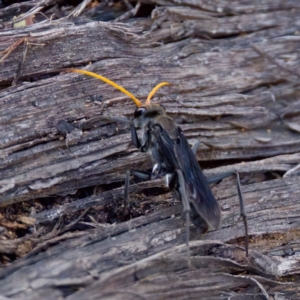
(178, 153)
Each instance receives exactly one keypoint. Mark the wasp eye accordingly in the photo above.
(140, 111)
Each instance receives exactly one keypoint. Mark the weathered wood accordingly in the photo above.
(279, 163)
(46, 166)
(273, 210)
(234, 69)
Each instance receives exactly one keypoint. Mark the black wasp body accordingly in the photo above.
(172, 157)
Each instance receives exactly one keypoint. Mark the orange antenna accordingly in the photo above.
(135, 100)
(151, 94)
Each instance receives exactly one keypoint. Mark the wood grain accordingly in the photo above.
(234, 70)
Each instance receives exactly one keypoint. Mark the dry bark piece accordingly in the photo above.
(224, 94)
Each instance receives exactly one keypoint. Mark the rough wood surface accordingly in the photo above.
(234, 70)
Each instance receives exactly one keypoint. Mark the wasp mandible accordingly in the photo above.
(173, 158)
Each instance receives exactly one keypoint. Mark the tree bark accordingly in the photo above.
(234, 70)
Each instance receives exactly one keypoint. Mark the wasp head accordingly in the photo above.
(144, 113)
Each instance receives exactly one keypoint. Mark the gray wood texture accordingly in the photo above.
(234, 70)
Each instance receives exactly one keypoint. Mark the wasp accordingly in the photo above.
(173, 158)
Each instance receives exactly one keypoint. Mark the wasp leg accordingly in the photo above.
(136, 141)
(186, 210)
(157, 171)
(144, 175)
(134, 137)
(140, 174)
(243, 214)
(171, 180)
(126, 192)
